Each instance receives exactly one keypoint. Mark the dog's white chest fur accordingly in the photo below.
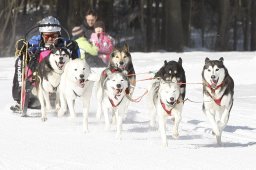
(52, 83)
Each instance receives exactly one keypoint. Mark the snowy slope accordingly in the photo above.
(28, 143)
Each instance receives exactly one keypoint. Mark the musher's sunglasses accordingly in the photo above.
(47, 36)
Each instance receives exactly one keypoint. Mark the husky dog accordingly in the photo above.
(218, 91)
(112, 97)
(120, 60)
(166, 100)
(74, 83)
(49, 73)
(173, 69)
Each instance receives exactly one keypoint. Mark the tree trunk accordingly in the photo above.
(174, 28)
(142, 24)
(186, 21)
(149, 25)
(105, 13)
(253, 25)
(62, 14)
(223, 26)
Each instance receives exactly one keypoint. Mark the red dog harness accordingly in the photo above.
(169, 112)
(217, 101)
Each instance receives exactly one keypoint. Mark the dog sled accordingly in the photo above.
(27, 76)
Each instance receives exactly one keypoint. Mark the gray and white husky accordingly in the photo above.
(112, 100)
(218, 91)
(49, 73)
(74, 84)
(165, 99)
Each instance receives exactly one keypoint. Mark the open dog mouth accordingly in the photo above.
(171, 103)
(214, 82)
(117, 91)
(81, 82)
(60, 64)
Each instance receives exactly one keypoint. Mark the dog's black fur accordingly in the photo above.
(173, 69)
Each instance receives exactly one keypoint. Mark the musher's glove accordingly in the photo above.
(72, 45)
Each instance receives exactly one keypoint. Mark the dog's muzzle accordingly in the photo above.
(171, 102)
(117, 91)
(214, 82)
(60, 64)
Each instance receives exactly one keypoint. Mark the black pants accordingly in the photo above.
(17, 83)
(17, 80)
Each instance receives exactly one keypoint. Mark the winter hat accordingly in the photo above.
(99, 24)
(77, 31)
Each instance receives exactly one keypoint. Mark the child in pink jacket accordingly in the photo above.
(103, 41)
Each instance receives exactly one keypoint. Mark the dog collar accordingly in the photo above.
(76, 94)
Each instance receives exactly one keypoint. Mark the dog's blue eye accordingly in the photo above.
(209, 70)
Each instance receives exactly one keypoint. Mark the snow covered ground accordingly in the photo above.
(59, 143)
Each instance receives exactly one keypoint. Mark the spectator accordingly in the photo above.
(103, 41)
(86, 48)
(89, 21)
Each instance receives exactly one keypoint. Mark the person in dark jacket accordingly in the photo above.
(50, 34)
(88, 24)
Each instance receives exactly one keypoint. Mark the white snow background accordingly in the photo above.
(28, 143)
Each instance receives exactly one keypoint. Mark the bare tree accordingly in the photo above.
(174, 28)
(253, 25)
(223, 25)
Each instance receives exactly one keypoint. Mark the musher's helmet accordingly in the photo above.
(49, 24)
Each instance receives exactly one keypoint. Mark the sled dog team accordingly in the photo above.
(70, 79)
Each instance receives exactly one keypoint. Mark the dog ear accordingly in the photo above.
(221, 59)
(112, 55)
(126, 48)
(207, 60)
(180, 61)
(165, 62)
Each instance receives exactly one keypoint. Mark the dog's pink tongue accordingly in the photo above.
(214, 83)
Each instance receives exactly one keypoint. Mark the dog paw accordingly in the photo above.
(165, 144)
(85, 130)
(175, 135)
(118, 136)
(57, 107)
(72, 117)
(60, 113)
(44, 119)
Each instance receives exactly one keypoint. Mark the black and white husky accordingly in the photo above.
(121, 60)
(165, 99)
(218, 91)
(75, 84)
(49, 73)
(166, 96)
(172, 69)
(112, 100)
